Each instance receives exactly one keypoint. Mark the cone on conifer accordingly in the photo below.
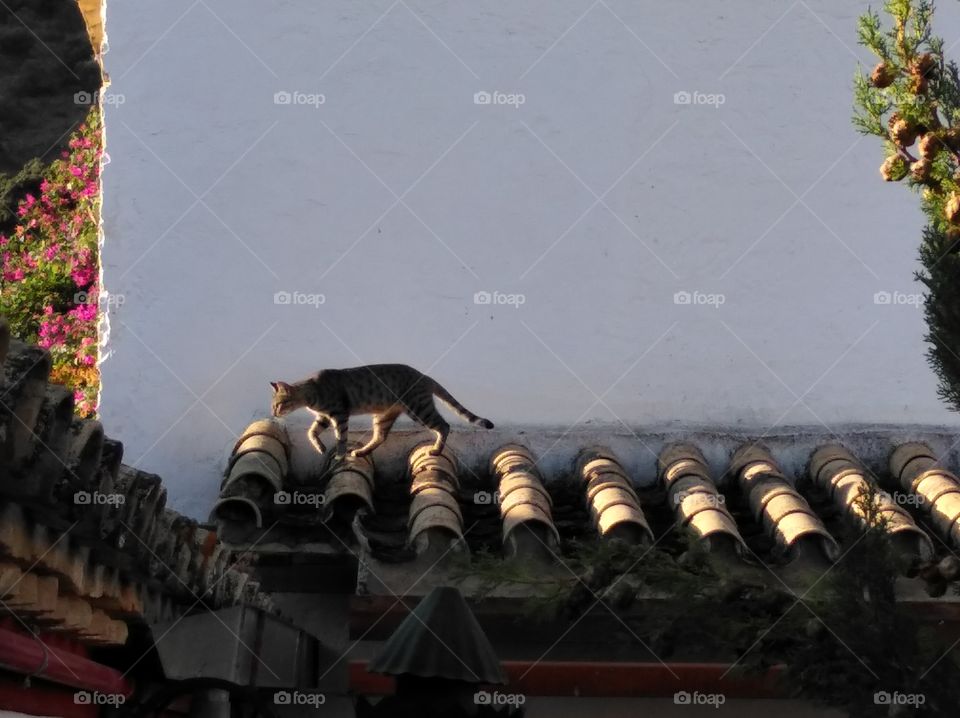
(882, 75)
(930, 144)
(921, 169)
(951, 210)
(951, 138)
(894, 168)
(925, 65)
(903, 133)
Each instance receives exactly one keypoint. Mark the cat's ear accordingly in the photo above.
(280, 386)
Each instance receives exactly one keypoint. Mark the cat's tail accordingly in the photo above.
(459, 408)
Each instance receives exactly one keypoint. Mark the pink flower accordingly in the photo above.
(85, 312)
(82, 276)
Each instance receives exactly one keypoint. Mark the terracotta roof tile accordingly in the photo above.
(755, 512)
(87, 545)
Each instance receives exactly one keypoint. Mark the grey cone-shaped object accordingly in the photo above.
(441, 638)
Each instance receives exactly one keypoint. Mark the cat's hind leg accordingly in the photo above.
(382, 423)
(428, 415)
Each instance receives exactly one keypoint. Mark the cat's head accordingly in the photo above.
(286, 398)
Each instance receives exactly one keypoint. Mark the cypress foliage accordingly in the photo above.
(911, 100)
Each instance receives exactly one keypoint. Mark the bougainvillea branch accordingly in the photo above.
(911, 100)
(49, 269)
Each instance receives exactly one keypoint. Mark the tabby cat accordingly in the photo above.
(384, 390)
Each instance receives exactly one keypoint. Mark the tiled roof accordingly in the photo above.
(87, 544)
(753, 514)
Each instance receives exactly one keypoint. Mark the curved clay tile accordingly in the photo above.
(611, 498)
(693, 495)
(785, 515)
(843, 477)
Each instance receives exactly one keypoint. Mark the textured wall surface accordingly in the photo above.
(381, 194)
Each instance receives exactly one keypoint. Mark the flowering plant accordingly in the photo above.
(49, 264)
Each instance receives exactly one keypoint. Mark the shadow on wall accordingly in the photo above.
(48, 77)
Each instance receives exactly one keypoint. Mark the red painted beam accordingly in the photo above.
(605, 679)
(51, 660)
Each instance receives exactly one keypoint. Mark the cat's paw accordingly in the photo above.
(359, 454)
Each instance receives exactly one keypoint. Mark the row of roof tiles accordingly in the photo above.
(919, 507)
(87, 545)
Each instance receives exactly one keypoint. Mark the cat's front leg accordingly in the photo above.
(340, 431)
(317, 428)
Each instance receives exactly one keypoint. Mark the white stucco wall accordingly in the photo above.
(597, 200)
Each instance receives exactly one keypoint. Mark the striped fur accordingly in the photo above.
(384, 390)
